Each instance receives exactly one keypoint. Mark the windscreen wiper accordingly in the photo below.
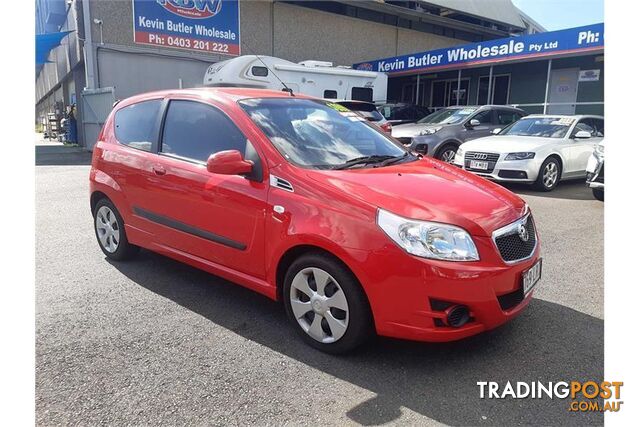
(393, 160)
(363, 160)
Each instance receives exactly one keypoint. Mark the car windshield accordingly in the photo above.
(448, 116)
(319, 134)
(366, 110)
(544, 127)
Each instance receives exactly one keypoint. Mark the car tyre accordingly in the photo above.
(447, 153)
(598, 193)
(326, 304)
(110, 232)
(549, 175)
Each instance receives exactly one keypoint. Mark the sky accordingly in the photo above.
(559, 14)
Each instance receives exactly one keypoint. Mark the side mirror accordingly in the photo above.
(582, 134)
(473, 123)
(229, 162)
(496, 131)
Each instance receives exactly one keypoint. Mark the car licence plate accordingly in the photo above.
(531, 276)
(479, 165)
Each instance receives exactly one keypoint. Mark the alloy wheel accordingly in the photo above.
(448, 156)
(550, 175)
(108, 229)
(319, 305)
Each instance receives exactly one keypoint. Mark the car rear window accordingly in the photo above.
(135, 125)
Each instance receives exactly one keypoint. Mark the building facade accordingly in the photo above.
(108, 56)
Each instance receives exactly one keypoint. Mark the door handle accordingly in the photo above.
(158, 169)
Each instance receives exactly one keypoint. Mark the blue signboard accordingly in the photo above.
(201, 25)
(581, 39)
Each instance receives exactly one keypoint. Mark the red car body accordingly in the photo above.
(331, 210)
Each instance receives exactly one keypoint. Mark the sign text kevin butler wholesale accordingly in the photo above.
(199, 25)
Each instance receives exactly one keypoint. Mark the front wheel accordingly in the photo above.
(447, 153)
(326, 304)
(598, 193)
(549, 175)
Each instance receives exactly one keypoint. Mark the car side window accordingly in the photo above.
(506, 117)
(598, 124)
(484, 117)
(193, 130)
(135, 125)
(583, 125)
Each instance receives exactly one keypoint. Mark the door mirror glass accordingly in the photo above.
(582, 134)
(229, 162)
(473, 123)
(496, 131)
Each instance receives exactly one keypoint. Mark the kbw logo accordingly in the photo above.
(192, 8)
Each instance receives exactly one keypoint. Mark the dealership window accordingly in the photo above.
(362, 94)
(330, 94)
(444, 93)
(193, 130)
(135, 125)
(499, 89)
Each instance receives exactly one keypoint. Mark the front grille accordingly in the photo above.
(405, 140)
(511, 243)
(491, 158)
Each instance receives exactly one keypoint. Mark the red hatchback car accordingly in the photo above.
(304, 202)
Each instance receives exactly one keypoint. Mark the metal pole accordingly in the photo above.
(89, 63)
(417, 89)
(458, 94)
(489, 87)
(546, 89)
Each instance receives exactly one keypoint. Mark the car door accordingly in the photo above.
(219, 218)
(580, 149)
(486, 119)
(130, 158)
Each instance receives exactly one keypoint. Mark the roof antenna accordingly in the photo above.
(285, 87)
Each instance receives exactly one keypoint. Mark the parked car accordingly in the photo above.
(595, 172)
(400, 113)
(539, 149)
(367, 110)
(440, 134)
(298, 201)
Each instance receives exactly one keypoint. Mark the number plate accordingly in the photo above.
(479, 165)
(531, 276)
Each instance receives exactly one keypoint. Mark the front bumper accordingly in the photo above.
(408, 302)
(595, 171)
(423, 144)
(525, 171)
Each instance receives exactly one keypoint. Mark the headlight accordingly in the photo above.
(430, 131)
(428, 239)
(458, 157)
(600, 149)
(520, 156)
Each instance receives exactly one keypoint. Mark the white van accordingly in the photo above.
(313, 78)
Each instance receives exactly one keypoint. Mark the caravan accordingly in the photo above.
(313, 78)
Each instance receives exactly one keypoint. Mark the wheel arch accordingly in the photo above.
(560, 160)
(295, 252)
(445, 143)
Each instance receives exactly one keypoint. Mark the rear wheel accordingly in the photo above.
(598, 193)
(549, 175)
(110, 232)
(447, 153)
(326, 304)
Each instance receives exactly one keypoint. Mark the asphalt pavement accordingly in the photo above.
(155, 342)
